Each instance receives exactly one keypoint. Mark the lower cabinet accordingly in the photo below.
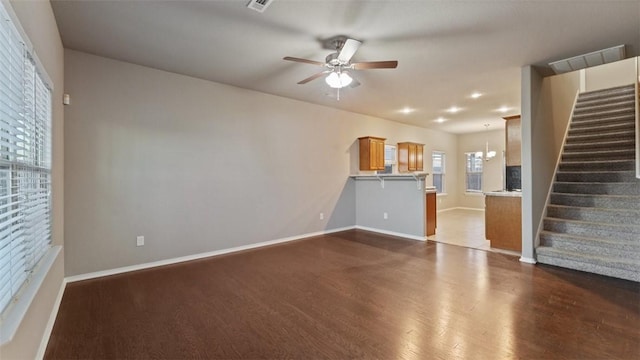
(431, 213)
(503, 222)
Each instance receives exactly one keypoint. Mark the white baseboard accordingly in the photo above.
(392, 233)
(125, 269)
(52, 319)
(528, 260)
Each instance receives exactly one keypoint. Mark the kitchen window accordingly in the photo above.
(389, 159)
(438, 170)
(473, 175)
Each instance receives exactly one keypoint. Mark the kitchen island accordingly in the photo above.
(503, 219)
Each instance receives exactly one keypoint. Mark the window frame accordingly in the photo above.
(477, 155)
(441, 173)
(32, 116)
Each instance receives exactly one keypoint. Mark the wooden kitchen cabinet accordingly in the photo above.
(371, 153)
(431, 212)
(410, 157)
(513, 140)
(503, 222)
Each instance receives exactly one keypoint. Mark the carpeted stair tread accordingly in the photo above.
(608, 93)
(603, 135)
(603, 128)
(598, 165)
(604, 107)
(628, 264)
(628, 143)
(582, 102)
(612, 154)
(617, 232)
(631, 245)
(596, 176)
(591, 246)
(628, 269)
(604, 113)
(613, 216)
(599, 121)
(629, 202)
(597, 188)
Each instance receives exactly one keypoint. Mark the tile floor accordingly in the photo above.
(461, 227)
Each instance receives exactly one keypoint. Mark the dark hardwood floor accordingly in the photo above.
(352, 294)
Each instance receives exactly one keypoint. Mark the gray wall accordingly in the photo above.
(403, 202)
(197, 166)
(38, 22)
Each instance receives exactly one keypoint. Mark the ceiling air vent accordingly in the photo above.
(587, 60)
(259, 5)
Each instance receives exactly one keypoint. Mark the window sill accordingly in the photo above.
(441, 194)
(17, 310)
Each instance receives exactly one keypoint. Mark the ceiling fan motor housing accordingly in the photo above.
(332, 59)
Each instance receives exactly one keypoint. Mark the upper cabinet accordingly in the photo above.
(513, 141)
(410, 157)
(371, 153)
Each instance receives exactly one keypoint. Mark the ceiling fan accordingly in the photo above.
(338, 64)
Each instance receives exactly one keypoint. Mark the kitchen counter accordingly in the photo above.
(504, 193)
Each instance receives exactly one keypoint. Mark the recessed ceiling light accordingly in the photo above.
(440, 120)
(407, 110)
(503, 109)
(453, 109)
(476, 95)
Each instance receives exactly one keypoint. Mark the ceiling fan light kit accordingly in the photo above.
(338, 80)
(337, 62)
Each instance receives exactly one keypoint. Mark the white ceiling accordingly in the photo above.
(446, 49)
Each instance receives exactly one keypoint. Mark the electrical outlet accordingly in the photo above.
(140, 241)
(385, 216)
(321, 216)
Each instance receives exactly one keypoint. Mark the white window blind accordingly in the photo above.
(25, 162)
(473, 172)
(437, 168)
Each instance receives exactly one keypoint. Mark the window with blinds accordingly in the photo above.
(473, 182)
(25, 162)
(437, 168)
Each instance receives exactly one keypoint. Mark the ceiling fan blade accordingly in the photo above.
(348, 49)
(392, 64)
(312, 77)
(306, 61)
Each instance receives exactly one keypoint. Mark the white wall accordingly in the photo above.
(39, 23)
(492, 173)
(614, 74)
(197, 166)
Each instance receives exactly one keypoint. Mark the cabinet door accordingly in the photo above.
(375, 154)
(380, 147)
(371, 153)
(403, 157)
(412, 157)
(431, 214)
(419, 157)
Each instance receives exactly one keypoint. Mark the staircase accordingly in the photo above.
(593, 218)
